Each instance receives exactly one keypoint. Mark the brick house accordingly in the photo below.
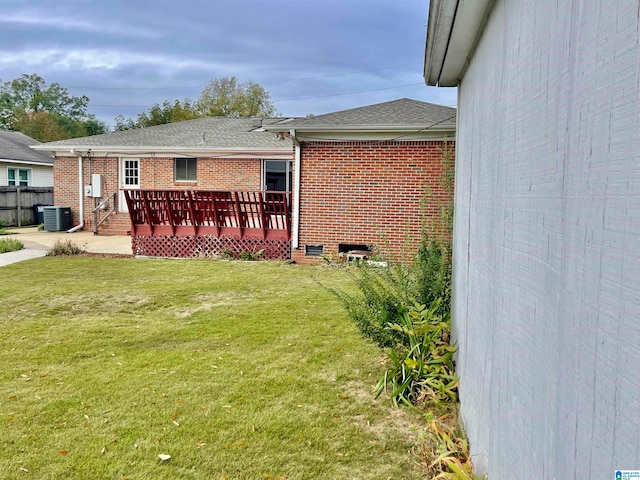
(363, 174)
(208, 153)
(346, 180)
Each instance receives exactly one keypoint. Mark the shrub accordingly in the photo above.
(66, 247)
(10, 245)
(386, 292)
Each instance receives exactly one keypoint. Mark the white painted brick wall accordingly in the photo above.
(547, 241)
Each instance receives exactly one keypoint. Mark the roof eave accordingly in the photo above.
(365, 128)
(42, 163)
(453, 31)
(118, 149)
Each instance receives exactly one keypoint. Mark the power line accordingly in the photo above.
(288, 99)
(262, 83)
(345, 93)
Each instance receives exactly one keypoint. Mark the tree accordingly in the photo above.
(168, 112)
(225, 97)
(222, 97)
(45, 112)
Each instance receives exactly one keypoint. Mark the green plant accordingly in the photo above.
(3, 224)
(64, 247)
(385, 292)
(334, 259)
(422, 365)
(10, 245)
(41, 227)
(250, 255)
(226, 254)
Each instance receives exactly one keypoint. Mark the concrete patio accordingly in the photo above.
(36, 243)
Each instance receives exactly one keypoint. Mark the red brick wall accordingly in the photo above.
(212, 173)
(367, 193)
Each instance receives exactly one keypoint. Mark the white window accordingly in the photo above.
(18, 176)
(131, 174)
(185, 169)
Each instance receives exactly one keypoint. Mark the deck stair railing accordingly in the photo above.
(103, 205)
(236, 214)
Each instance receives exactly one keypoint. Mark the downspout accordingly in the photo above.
(296, 191)
(80, 226)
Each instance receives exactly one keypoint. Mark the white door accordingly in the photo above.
(129, 178)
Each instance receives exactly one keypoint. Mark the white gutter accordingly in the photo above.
(174, 151)
(446, 125)
(27, 162)
(295, 243)
(80, 226)
(453, 31)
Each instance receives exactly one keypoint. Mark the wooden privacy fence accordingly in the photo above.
(16, 204)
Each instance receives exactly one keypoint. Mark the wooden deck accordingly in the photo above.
(262, 215)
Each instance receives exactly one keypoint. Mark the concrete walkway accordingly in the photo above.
(36, 243)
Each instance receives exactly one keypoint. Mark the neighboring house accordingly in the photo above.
(358, 177)
(546, 310)
(22, 166)
(364, 175)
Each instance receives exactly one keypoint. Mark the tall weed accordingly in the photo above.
(10, 245)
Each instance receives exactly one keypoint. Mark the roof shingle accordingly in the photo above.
(206, 133)
(396, 113)
(15, 146)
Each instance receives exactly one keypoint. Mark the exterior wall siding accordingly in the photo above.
(41, 176)
(369, 193)
(546, 258)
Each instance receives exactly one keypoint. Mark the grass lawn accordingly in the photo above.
(238, 370)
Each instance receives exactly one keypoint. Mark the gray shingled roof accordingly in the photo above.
(205, 133)
(403, 112)
(396, 113)
(15, 146)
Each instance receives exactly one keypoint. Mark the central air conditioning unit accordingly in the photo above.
(57, 219)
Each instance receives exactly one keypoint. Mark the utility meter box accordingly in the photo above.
(87, 190)
(96, 185)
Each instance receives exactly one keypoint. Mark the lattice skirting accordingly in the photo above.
(208, 246)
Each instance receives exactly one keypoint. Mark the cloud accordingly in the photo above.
(128, 55)
(34, 20)
(92, 59)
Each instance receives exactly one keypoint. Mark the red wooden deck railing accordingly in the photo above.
(262, 215)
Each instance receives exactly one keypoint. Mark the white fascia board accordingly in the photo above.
(451, 41)
(27, 162)
(441, 16)
(117, 151)
(314, 136)
(146, 149)
(375, 128)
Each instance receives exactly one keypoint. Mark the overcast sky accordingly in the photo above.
(311, 56)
